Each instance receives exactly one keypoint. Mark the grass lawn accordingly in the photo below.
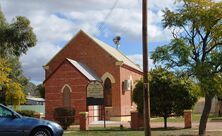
(195, 118)
(114, 131)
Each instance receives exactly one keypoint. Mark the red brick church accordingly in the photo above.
(83, 60)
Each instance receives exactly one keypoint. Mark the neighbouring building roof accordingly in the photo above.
(86, 71)
(36, 99)
(110, 50)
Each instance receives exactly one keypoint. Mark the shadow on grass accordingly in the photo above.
(112, 129)
(129, 129)
(167, 129)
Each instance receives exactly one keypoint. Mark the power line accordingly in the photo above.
(107, 16)
(100, 27)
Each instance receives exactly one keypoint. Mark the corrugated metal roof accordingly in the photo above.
(36, 99)
(86, 71)
(115, 53)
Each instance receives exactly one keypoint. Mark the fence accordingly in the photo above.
(103, 115)
(37, 108)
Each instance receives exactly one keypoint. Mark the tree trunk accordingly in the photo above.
(2, 96)
(205, 114)
(165, 121)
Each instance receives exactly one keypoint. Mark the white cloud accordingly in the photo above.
(125, 18)
(160, 4)
(138, 59)
(54, 29)
(56, 21)
(38, 56)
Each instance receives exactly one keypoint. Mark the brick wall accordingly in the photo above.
(65, 74)
(126, 100)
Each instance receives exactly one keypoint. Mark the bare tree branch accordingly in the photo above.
(199, 33)
(204, 46)
(214, 46)
(186, 31)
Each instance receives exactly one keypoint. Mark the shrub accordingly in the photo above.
(65, 116)
(138, 96)
(28, 113)
(169, 94)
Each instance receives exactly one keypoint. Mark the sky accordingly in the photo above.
(55, 22)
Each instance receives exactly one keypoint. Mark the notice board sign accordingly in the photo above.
(95, 94)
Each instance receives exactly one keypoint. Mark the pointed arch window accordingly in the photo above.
(66, 96)
(108, 92)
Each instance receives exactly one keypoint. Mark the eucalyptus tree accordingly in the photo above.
(15, 39)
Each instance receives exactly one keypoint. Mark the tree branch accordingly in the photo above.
(217, 71)
(214, 46)
(198, 31)
(192, 42)
(186, 31)
(175, 36)
(204, 46)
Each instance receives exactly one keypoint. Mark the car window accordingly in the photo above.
(5, 112)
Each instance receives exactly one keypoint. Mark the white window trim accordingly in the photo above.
(108, 75)
(64, 88)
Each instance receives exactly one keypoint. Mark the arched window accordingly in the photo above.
(66, 96)
(108, 92)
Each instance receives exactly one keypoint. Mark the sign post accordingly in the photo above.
(95, 93)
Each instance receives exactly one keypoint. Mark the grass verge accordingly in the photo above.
(116, 131)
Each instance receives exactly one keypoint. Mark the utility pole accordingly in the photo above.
(146, 93)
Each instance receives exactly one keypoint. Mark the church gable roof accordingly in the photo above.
(115, 53)
(109, 49)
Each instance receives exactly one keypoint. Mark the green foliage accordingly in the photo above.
(28, 113)
(196, 48)
(40, 88)
(168, 93)
(16, 37)
(16, 73)
(138, 96)
(31, 89)
(65, 116)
